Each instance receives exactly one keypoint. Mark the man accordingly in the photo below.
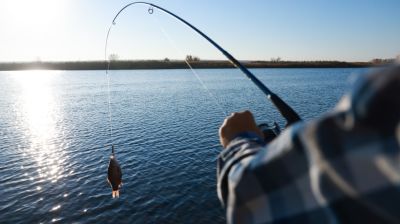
(341, 168)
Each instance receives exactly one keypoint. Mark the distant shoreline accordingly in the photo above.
(176, 64)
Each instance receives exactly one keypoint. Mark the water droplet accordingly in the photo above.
(65, 195)
(39, 188)
(85, 210)
(151, 10)
(113, 23)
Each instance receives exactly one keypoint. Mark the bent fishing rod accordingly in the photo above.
(285, 110)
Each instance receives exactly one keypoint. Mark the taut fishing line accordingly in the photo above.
(109, 107)
(108, 88)
(173, 43)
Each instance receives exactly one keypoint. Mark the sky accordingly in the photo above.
(75, 30)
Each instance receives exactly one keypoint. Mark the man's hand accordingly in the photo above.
(235, 124)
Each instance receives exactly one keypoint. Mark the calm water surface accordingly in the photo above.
(53, 124)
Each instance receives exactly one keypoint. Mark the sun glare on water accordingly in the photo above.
(40, 113)
(37, 102)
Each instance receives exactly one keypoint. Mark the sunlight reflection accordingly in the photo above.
(55, 208)
(40, 115)
(55, 219)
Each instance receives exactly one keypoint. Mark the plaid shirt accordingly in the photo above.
(341, 168)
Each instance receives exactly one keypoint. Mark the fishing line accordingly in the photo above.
(173, 43)
(109, 107)
(108, 87)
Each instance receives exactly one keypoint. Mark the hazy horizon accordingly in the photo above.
(175, 59)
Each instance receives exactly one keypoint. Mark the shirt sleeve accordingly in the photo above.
(263, 184)
(244, 145)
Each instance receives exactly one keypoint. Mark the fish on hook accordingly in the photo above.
(114, 177)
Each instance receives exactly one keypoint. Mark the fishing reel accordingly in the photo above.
(270, 131)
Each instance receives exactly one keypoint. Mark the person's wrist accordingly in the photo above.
(253, 135)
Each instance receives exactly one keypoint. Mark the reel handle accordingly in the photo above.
(270, 131)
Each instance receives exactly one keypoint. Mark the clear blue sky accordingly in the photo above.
(258, 29)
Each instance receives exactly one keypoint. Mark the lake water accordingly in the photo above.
(54, 123)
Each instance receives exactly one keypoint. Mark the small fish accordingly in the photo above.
(114, 175)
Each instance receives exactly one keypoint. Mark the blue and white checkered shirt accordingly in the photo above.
(341, 168)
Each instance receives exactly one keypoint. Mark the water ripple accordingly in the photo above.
(54, 128)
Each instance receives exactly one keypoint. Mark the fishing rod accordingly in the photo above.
(285, 110)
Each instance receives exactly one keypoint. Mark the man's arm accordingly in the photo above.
(259, 183)
(341, 168)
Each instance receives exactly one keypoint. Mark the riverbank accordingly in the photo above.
(175, 64)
